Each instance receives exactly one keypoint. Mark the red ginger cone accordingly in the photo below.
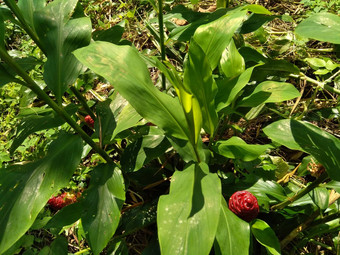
(244, 205)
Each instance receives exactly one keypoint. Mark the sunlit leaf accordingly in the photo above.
(102, 204)
(303, 136)
(187, 218)
(25, 189)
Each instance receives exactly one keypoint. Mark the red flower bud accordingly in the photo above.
(89, 121)
(244, 205)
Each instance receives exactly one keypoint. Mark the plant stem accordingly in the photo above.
(15, 9)
(299, 229)
(161, 37)
(322, 85)
(60, 111)
(302, 192)
(82, 101)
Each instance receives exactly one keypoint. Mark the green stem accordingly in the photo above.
(60, 111)
(300, 194)
(15, 9)
(82, 100)
(161, 37)
(322, 85)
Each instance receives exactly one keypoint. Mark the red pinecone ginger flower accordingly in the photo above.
(244, 205)
(58, 202)
(89, 121)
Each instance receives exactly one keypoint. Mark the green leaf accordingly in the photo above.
(303, 136)
(199, 82)
(112, 35)
(59, 246)
(215, 36)
(123, 67)
(236, 148)
(254, 22)
(66, 216)
(28, 7)
(35, 122)
(316, 62)
(144, 150)
(258, 9)
(266, 236)
(25, 189)
(232, 63)
(60, 36)
(270, 92)
(233, 234)
(281, 68)
(228, 89)
(102, 204)
(320, 197)
(323, 27)
(187, 218)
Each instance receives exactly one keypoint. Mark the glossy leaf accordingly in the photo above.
(25, 189)
(322, 26)
(102, 204)
(270, 92)
(233, 234)
(236, 148)
(112, 35)
(228, 89)
(232, 63)
(187, 218)
(198, 80)
(215, 36)
(123, 67)
(303, 136)
(60, 36)
(320, 197)
(266, 236)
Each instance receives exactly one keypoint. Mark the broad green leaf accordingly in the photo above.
(266, 236)
(254, 22)
(28, 7)
(187, 218)
(125, 115)
(60, 36)
(215, 36)
(112, 35)
(232, 63)
(25, 189)
(33, 123)
(303, 136)
(270, 92)
(66, 216)
(281, 68)
(229, 89)
(144, 150)
(316, 62)
(233, 234)
(236, 148)
(105, 122)
(123, 67)
(59, 246)
(102, 204)
(322, 26)
(5, 76)
(320, 197)
(184, 33)
(199, 82)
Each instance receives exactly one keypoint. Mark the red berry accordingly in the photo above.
(244, 205)
(89, 121)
